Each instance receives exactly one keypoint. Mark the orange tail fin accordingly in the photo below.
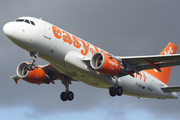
(165, 73)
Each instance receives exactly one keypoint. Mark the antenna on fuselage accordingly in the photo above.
(41, 18)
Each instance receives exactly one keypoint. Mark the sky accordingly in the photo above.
(121, 27)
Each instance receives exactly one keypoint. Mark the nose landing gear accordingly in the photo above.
(33, 57)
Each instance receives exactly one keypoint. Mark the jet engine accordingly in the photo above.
(36, 76)
(105, 64)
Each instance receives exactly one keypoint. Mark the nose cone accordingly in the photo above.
(18, 34)
(8, 29)
(12, 31)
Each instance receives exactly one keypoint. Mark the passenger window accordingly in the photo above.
(27, 21)
(32, 23)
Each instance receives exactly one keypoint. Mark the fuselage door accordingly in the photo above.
(47, 30)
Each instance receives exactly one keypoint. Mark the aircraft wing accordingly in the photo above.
(48, 67)
(55, 74)
(171, 89)
(139, 63)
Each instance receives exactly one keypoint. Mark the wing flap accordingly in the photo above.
(171, 89)
(161, 65)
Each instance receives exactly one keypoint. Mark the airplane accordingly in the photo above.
(74, 59)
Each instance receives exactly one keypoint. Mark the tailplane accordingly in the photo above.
(165, 73)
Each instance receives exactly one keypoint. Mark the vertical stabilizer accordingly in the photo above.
(165, 73)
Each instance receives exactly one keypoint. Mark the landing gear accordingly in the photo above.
(33, 57)
(67, 95)
(117, 90)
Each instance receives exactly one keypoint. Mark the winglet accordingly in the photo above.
(16, 78)
(165, 73)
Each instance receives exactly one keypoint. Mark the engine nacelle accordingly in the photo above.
(105, 64)
(36, 76)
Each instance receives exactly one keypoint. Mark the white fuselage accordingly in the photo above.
(67, 55)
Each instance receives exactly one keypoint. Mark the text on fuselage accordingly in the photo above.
(76, 42)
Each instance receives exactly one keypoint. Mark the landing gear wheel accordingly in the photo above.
(30, 67)
(63, 96)
(70, 96)
(119, 91)
(112, 91)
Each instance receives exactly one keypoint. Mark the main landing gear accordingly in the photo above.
(67, 95)
(33, 57)
(117, 90)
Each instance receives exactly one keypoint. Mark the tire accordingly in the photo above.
(32, 66)
(119, 91)
(28, 67)
(70, 96)
(112, 91)
(63, 96)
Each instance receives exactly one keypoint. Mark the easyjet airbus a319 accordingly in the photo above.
(74, 59)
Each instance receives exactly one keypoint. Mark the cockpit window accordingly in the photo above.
(19, 20)
(26, 20)
(32, 23)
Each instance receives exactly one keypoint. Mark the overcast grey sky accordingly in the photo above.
(121, 27)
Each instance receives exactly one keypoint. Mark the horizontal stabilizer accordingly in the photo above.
(171, 89)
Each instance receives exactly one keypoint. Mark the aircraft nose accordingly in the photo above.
(8, 29)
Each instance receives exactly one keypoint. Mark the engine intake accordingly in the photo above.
(105, 64)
